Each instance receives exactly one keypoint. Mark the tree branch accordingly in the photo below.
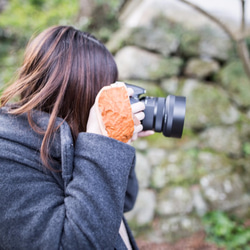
(243, 21)
(241, 43)
(211, 17)
(242, 49)
(244, 55)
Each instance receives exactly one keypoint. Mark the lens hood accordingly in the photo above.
(174, 116)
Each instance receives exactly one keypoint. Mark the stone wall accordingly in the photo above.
(209, 168)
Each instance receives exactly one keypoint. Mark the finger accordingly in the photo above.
(138, 129)
(140, 116)
(136, 121)
(145, 133)
(137, 107)
(130, 91)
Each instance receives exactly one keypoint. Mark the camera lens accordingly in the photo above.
(174, 116)
(165, 115)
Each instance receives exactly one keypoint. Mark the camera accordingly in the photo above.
(164, 115)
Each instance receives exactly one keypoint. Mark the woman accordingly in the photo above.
(63, 185)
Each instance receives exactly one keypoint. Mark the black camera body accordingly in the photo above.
(164, 115)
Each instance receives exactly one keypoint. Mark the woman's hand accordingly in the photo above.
(93, 125)
(138, 116)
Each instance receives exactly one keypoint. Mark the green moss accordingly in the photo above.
(20, 20)
(190, 42)
(235, 80)
(34, 15)
(168, 67)
(206, 105)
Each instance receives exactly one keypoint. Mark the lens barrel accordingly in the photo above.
(165, 115)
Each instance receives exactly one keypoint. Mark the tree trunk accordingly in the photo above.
(86, 8)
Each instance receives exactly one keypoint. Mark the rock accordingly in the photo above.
(175, 201)
(170, 31)
(178, 227)
(140, 13)
(224, 191)
(248, 114)
(171, 173)
(245, 131)
(222, 139)
(201, 68)
(230, 115)
(236, 82)
(158, 179)
(156, 156)
(246, 168)
(135, 63)
(161, 163)
(162, 42)
(199, 203)
(141, 145)
(144, 210)
(209, 107)
(170, 85)
(178, 168)
(208, 42)
(143, 170)
(189, 44)
(214, 43)
(208, 162)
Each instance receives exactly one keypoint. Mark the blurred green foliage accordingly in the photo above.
(227, 231)
(246, 148)
(20, 20)
(104, 19)
(23, 18)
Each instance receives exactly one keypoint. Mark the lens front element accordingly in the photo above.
(174, 116)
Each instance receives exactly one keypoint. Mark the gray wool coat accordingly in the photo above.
(80, 207)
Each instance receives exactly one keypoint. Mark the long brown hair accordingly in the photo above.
(62, 72)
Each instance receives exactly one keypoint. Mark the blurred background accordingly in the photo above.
(194, 191)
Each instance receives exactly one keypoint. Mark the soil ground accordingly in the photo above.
(195, 242)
